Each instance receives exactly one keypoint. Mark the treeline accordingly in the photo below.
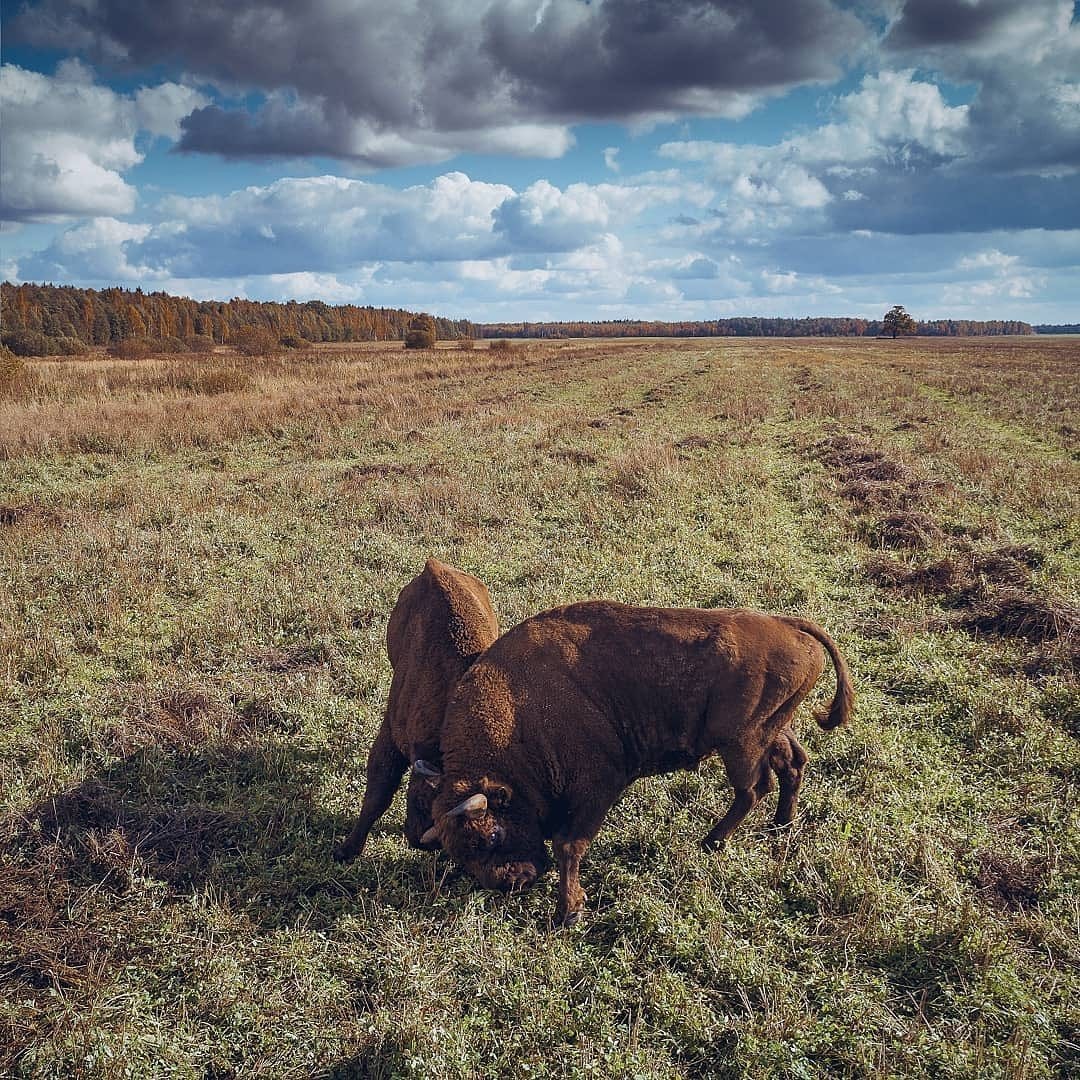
(745, 326)
(1058, 328)
(44, 319)
(61, 319)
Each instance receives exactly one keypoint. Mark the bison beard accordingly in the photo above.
(562, 713)
(442, 621)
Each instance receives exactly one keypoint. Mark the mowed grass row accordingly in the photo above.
(192, 668)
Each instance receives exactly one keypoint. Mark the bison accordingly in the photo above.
(562, 713)
(441, 622)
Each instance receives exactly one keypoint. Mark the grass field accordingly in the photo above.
(197, 559)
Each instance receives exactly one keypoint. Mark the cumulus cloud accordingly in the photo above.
(892, 117)
(396, 84)
(896, 157)
(1023, 60)
(326, 225)
(66, 141)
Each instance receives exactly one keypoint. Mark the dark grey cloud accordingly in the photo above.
(971, 201)
(636, 57)
(948, 22)
(1023, 59)
(383, 84)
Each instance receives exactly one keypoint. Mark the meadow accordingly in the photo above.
(197, 560)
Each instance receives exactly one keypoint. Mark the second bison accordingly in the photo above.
(442, 621)
(561, 714)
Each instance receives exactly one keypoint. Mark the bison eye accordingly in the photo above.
(498, 835)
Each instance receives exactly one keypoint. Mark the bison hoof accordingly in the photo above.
(713, 843)
(567, 920)
(570, 919)
(343, 853)
(520, 876)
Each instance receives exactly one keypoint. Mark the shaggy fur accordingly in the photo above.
(562, 713)
(442, 621)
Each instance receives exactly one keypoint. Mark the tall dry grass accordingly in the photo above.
(115, 406)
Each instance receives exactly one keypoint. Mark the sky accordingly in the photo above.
(551, 159)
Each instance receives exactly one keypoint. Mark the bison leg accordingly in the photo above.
(572, 897)
(570, 845)
(744, 801)
(788, 759)
(385, 767)
(749, 776)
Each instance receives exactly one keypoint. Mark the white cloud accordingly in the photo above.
(159, 109)
(987, 260)
(611, 158)
(891, 116)
(891, 122)
(333, 225)
(66, 141)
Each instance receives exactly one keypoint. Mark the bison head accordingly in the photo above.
(495, 837)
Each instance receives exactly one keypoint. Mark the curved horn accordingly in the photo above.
(431, 775)
(473, 806)
(429, 836)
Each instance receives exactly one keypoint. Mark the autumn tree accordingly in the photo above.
(897, 322)
(421, 333)
(256, 341)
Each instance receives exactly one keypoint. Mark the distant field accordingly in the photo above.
(197, 558)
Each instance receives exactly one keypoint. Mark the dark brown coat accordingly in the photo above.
(563, 712)
(442, 621)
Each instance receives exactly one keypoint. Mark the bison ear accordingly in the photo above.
(498, 794)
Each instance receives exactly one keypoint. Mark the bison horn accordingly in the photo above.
(429, 836)
(428, 772)
(473, 806)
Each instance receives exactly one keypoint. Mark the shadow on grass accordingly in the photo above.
(386, 1063)
(242, 824)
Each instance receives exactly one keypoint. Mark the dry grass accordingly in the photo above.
(645, 468)
(200, 556)
(113, 406)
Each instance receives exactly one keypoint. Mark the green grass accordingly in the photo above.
(192, 668)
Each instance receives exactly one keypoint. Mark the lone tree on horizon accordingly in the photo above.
(897, 322)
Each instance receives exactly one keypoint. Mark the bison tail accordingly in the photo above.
(843, 702)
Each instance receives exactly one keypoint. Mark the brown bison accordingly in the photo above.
(442, 621)
(562, 713)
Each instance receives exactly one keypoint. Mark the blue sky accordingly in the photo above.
(551, 159)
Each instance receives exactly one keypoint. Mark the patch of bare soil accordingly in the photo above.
(874, 483)
(1013, 612)
(1011, 884)
(24, 514)
(993, 593)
